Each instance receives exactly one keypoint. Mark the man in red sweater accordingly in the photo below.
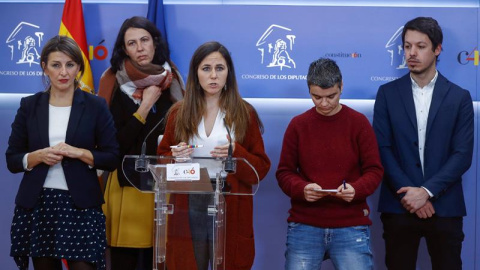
(329, 165)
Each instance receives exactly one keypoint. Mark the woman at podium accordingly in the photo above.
(211, 110)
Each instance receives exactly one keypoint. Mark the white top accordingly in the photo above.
(217, 137)
(422, 98)
(57, 131)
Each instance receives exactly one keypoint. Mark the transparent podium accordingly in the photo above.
(190, 204)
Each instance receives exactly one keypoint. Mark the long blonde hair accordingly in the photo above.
(191, 109)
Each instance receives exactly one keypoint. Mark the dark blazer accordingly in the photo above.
(448, 144)
(90, 126)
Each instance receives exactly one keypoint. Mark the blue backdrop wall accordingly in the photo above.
(364, 40)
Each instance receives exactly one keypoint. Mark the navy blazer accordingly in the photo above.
(90, 126)
(448, 144)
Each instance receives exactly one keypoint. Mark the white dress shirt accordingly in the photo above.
(422, 97)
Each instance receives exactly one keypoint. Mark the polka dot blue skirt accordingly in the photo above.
(56, 228)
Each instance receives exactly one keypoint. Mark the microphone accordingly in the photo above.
(229, 165)
(141, 163)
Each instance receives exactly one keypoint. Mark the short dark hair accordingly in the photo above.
(67, 46)
(324, 73)
(162, 53)
(428, 26)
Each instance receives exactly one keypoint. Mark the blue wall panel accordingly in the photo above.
(102, 22)
(362, 40)
(9, 104)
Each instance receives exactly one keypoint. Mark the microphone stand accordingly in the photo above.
(229, 165)
(141, 163)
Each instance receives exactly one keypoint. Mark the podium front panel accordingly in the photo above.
(147, 173)
(190, 206)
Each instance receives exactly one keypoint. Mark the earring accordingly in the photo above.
(225, 87)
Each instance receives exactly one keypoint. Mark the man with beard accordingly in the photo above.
(424, 127)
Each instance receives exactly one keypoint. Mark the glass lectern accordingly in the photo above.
(189, 202)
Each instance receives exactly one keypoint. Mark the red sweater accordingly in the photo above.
(326, 150)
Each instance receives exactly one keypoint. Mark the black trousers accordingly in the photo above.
(402, 234)
(131, 258)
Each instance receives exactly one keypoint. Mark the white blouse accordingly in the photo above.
(217, 137)
(57, 130)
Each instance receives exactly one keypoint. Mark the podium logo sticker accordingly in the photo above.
(183, 172)
(275, 46)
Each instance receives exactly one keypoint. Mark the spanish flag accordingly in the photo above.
(73, 26)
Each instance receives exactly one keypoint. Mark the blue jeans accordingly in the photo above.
(308, 246)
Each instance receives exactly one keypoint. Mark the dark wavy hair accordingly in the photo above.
(162, 53)
(67, 46)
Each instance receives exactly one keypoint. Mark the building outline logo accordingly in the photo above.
(394, 47)
(275, 47)
(24, 43)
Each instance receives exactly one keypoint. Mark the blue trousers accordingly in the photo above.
(308, 246)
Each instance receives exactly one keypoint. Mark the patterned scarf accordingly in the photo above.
(133, 79)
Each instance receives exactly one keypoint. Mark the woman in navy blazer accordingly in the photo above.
(59, 138)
